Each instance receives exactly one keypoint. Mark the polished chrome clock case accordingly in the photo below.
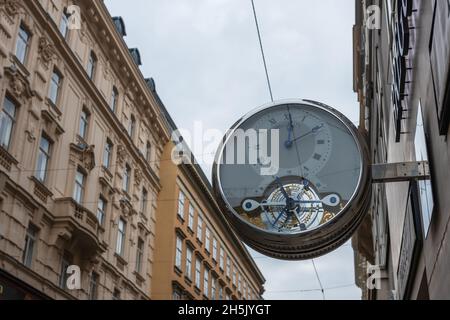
(315, 201)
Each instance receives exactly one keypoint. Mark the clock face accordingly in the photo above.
(295, 179)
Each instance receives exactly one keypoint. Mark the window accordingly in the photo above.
(240, 283)
(84, 124)
(78, 192)
(181, 200)
(139, 255)
(220, 292)
(22, 44)
(206, 282)
(43, 159)
(101, 209)
(144, 201)
(176, 295)
(234, 275)
(200, 228)
(221, 259)
(213, 288)
(65, 264)
(215, 249)
(148, 152)
(120, 245)
(30, 242)
(425, 187)
(92, 64)
(198, 270)
(228, 267)
(189, 263)
(179, 252)
(55, 85)
(114, 99)
(64, 25)
(7, 121)
(93, 286)
(207, 239)
(132, 126)
(116, 294)
(107, 156)
(191, 217)
(127, 178)
(244, 290)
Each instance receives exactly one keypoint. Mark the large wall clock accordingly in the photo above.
(317, 196)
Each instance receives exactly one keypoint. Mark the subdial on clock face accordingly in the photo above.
(291, 205)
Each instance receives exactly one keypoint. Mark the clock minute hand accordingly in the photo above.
(313, 131)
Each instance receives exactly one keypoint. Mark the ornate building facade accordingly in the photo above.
(197, 255)
(82, 136)
(401, 76)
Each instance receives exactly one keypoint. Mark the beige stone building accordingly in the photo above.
(197, 255)
(81, 141)
(82, 136)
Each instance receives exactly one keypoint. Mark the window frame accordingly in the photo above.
(43, 155)
(25, 42)
(12, 120)
(92, 65)
(83, 127)
(121, 237)
(191, 217)
(181, 204)
(79, 188)
(198, 272)
(127, 178)
(93, 286)
(179, 252)
(55, 87)
(64, 23)
(101, 210)
(140, 251)
(114, 99)
(107, 154)
(189, 256)
(31, 238)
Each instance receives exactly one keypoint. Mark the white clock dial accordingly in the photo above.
(319, 168)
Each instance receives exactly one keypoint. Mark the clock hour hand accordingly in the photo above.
(288, 144)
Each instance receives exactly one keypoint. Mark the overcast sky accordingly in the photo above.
(204, 56)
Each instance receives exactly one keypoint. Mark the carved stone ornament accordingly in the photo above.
(11, 7)
(19, 85)
(137, 177)
(121, 155)
(84, 155)
(46, 51)
(88, 158)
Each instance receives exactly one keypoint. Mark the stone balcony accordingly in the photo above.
(79, 226)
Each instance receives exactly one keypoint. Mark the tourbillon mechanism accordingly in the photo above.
(293, 178)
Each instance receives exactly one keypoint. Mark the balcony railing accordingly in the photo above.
(82, 223)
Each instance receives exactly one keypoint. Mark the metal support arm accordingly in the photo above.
(400, 172)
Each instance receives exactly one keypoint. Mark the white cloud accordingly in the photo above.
(205, 58)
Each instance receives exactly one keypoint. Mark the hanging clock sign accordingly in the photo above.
(293, 179)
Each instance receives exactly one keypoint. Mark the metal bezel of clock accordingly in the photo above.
(300, 241)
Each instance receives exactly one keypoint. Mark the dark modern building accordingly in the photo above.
(401, 76)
